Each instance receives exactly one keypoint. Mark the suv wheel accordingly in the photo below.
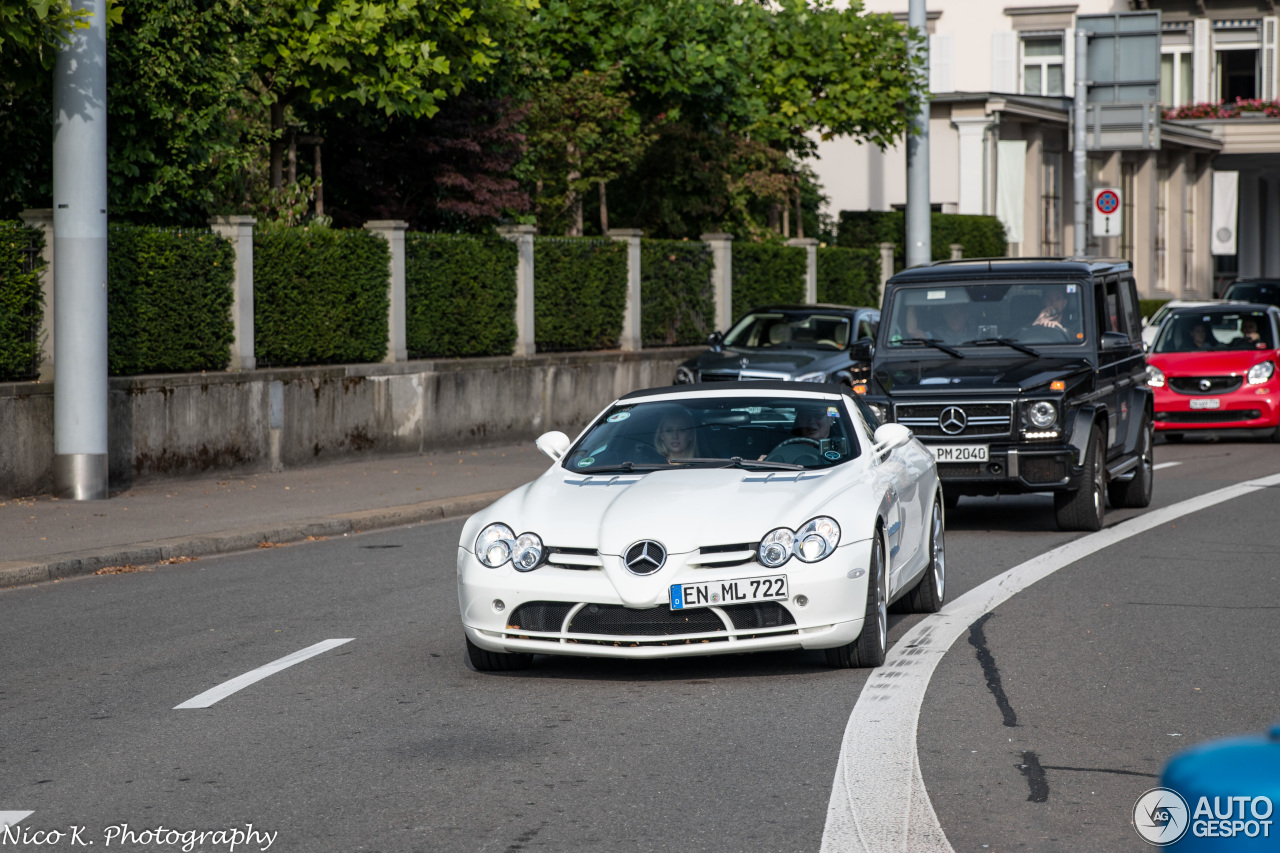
(1136, 493)
(1085, 508)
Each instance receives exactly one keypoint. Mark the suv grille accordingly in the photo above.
(1192, 384)
(981, 420)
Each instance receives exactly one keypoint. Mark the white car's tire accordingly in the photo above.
(929, 593)
(872, 644)
(487, 661)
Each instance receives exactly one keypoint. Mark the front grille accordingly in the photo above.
(1215, 416)
(961, 469)
(718, 377)
(614, 619)
(984, 420)
(1217, 384)
(1042, 470)
(540, 616)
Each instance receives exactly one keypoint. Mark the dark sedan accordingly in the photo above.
(799, 343)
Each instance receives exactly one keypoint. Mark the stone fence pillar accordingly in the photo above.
(886, 265)
(392, 230)
(239, 230)
(957, 251)
(721, 277)
(632, 339)
(810, 247)
(42, 218)
(522, 236)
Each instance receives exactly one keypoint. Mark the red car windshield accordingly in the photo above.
(1215, 331)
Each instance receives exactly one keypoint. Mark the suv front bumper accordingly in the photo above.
(1015, 468)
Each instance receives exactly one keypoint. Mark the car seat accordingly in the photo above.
(779, 333)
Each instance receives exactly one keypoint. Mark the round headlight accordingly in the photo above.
(818, 539)
(494, 544)
(527, 552)
(685, 376)
(1155, 376)
(1260, 373)
(775, 548)
(882, 413)
(1042, 414)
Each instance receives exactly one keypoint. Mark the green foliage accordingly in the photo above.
(31, 34)
(169, 296)
(21, 300)
(981, 236)
(460, 295)
(580, 290)
(849, 276)
(1150, 306)
(320, 296)
(766, 273)
(677, 305)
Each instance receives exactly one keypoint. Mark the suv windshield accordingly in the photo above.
(751, 432)
(790, 330)
(956, 314)
(1211, 331)
(1267, 294)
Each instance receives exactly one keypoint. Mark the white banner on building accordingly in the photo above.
(1226, 188)
(1011, 182)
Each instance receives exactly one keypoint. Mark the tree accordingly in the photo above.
(31, 34)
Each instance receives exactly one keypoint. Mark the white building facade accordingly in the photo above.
(1001, 78)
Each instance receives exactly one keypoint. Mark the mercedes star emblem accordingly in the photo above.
(645, 557)
(744, 362)
(952, 420)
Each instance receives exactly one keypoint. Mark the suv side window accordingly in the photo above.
(1129, 297)
(1111, 310)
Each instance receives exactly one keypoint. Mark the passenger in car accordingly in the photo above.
(1249, 337)
(676, 437)
(1201, 338)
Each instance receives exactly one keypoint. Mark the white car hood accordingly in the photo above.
(684, 510)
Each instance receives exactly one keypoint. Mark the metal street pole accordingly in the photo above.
(80, 261)
(919, 236)
(1079, 155)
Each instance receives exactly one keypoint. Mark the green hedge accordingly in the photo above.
(1150, 306)
(981, 236)
(677, 302)
(460, 295)
(169, 295)
(21, 301)
(320, 296)
(765, 273)
(849, 276)
(579, 292)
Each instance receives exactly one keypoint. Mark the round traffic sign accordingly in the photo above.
(1107, 202)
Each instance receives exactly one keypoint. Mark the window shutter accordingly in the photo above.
(940, 64)
(1004, 62)
(1269, 71)
(1203, 66)
(1069, 63)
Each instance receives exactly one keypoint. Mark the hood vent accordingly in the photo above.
(783, 476)
(607, 480)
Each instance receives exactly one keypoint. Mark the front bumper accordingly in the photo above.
(832, 616)
(1249, 407)
(1015, 468)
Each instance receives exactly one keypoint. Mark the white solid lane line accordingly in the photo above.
(1164, 465)
(13, 818)
(878, 800)
(226, 688)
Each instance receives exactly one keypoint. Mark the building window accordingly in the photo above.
(1162, 228)
(1051, 206)
(1237, 47)
(1042, 64)
(1177, 74)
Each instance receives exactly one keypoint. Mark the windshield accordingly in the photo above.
(955, 314)
(770, 433)
(1207, 331)
(790, 330)
(1267, 294)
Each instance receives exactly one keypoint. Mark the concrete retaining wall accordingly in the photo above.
(185, 424)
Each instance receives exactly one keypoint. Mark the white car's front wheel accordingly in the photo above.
(487, 661)
(872, 644)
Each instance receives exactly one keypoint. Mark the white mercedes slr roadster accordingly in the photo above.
(760, 516)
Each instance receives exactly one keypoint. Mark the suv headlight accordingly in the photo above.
(881, 411)
(1155, 376)
(494, 545)
(1260, 373)
(819, 376)
(684, 376)
(815, 541)
(1041, 414)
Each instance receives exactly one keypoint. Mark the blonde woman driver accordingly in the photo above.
(676, 437)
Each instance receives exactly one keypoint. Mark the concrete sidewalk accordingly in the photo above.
(43, 538)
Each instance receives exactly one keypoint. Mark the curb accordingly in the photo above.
(21, 573)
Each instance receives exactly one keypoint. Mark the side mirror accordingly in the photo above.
(1112, 341)
(1146, 321)
(716, 341)
(890, 437)
(862, 350)
(554, 444)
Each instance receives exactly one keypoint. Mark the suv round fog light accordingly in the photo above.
(801, 600)
(499, 605)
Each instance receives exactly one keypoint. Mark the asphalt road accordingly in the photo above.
(1040, 728)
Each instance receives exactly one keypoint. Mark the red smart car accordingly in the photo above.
(1213, 367)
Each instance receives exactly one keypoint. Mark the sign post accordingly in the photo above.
(1106, 212)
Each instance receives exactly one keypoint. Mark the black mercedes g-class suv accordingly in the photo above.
(1021, 375)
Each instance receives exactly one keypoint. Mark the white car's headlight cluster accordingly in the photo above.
(815, 541)
(498, 543)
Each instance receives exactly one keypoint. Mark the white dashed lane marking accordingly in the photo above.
(13, 818)
(225, 689)
(1164, 465)
(878, 799)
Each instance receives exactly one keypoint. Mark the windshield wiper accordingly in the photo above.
(933, 342)
(1009, 342)
(739, 462)
(625, 468)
